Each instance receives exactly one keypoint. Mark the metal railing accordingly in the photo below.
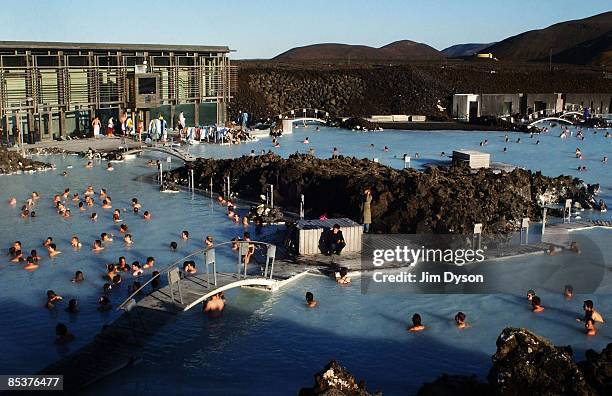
(173, 271)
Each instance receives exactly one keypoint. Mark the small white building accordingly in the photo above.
(476, 159)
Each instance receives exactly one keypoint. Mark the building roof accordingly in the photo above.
(97, 47)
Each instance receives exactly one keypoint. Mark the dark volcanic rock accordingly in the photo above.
(335, 380)
(455, 385)
(438, 200)
(597, 369)
(526, 364)
(12, 161)
(267, 89)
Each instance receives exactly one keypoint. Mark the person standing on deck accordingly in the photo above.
(366, 213)
(96, 124)
(110, 128)
(181, 122)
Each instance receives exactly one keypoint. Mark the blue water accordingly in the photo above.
(553, 156)
(269, 342)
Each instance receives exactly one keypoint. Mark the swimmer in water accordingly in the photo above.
(460, 320)
(31, 265)
(245, 221)
(104, 304)
(416, 324)
(75, 197)
(574, 247)
(89, 165)
(62, 335)
(147, 215)
(536, 304)
(149, 263)
(12, 201)
(310, 301)
(104, 237)
(106, 205)
(35, 256)
(123, 228)
(173, 246)
(74, 242)
(335, 152)
(306, 141)
(568, 292)
(530, 294)
(136, 269)
(589, 325)
(82, 207)
(52, 298)
(18, 257)
(48, 242)
(52, 248)
(73, 306)
(94, 217)
(214, 305)
(78, 277)
(97, 246)
(189, 267)
(590, 312)
(109, 167)
(127, 239)
(185, 235)
(386, 149)
(135, 203)
(343, 278)
(604, 160)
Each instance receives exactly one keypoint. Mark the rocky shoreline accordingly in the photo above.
(524, 364)
(439, 199)
(13, 162)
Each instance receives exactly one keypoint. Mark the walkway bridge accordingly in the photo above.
(168, 150)
(549, 119)
(304, 115)
(152, 306)
(569, 117)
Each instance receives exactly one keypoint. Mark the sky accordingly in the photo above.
(265, 28)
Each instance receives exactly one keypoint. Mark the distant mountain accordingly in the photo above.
(404, 50)
(460, 50)
(596, 52)
(569, 38)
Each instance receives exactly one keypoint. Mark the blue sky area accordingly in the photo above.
(263, 29)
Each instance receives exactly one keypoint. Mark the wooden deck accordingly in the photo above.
(559, 234)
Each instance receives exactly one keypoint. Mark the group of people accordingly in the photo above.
(591, 316)
(125, 122)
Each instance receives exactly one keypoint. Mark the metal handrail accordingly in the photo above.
(179, 261)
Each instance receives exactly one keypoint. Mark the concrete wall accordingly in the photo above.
(461, 105)
(553, 102)
(494, 104)
(600, 103)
